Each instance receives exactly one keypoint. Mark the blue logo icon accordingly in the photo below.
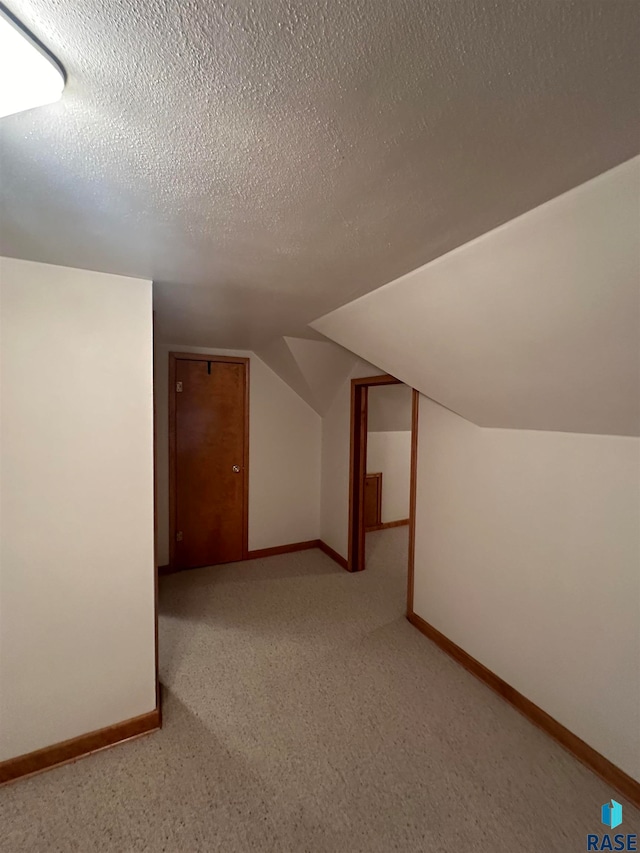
(612, 814)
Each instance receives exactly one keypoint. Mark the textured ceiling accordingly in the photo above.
(266, 161)
(535, 325)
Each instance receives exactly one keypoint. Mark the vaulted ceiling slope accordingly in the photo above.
(535, 325)
(265, 161)
(314, 369)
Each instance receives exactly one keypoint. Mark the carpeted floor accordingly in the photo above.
(302, 713)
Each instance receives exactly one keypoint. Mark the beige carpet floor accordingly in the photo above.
(303, 713)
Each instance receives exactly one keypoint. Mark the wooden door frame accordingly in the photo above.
(413, 487)
(358, 470)
(156, 617)
(174, 357)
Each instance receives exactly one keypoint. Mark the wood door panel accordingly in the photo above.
(209, 441)
(372, 500)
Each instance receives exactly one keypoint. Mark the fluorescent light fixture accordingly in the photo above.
(29, 76)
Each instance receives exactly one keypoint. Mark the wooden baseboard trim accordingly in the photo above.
(283, 549)
(78, 747)
(387, 524)
(328, 550)
(588, 756)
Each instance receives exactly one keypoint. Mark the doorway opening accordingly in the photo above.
(208, 459)
(369, 489)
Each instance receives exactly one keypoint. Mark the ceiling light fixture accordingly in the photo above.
(29, 75)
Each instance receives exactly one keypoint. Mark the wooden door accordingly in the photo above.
(372, 500)
(210, 460)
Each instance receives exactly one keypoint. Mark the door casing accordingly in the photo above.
(358, 470)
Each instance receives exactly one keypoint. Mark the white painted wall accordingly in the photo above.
(389, 408)
(76, 490)
(334, 514)
(390, 453)
(528, 557)
(284, 456)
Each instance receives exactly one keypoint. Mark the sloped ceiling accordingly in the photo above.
(314, 369)
(535, 325)
(265, 161)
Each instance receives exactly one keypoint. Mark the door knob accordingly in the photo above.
(236, 469)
